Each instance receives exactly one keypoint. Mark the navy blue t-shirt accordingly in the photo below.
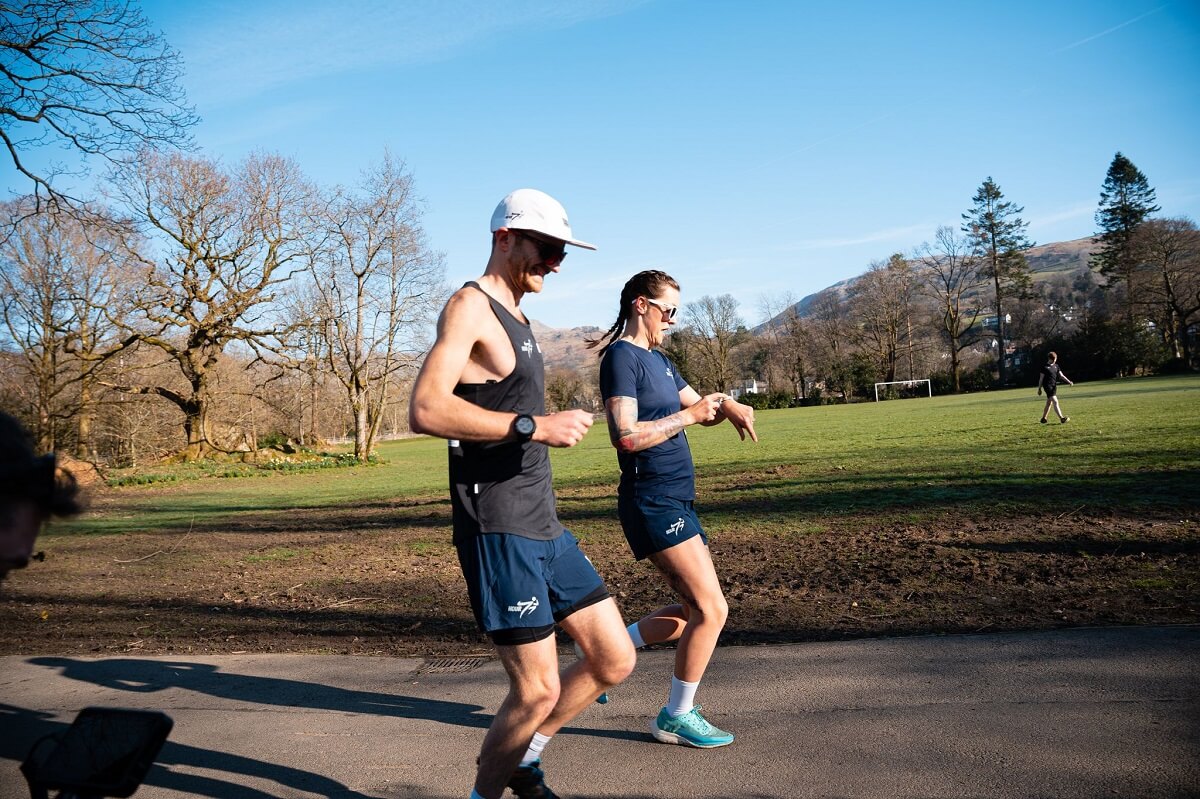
(648, 376)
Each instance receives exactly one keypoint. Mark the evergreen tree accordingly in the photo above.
(997, 233)
(1126, 199)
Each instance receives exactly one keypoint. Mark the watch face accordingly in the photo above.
(525, 425)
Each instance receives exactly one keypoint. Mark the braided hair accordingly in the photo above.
(649, 283)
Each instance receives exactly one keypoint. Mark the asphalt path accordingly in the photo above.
(1072, 713)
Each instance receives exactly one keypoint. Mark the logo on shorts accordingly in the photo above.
(676, 528)
(524, 606)
(527, 347)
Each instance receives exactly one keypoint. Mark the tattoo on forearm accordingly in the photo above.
(630, 435)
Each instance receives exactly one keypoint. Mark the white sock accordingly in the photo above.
(683, 696)
(636, 635)
(534, 752)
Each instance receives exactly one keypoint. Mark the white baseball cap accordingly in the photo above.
(530, 209)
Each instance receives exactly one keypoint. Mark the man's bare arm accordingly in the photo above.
(436, 410)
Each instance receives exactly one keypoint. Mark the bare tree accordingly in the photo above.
(951, 276)
(217, 247)
(882, 303)
(301, 359)
(1167, 252)
(778, 311)
(830, 329)
(88, 77)
(717, 329)
(379, 288)
(60, 285)
(570, 388)
(791, 347)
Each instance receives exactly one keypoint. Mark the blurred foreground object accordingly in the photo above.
(32, 489)
(105, 752)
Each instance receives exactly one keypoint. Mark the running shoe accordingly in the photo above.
(690, 729)
(529, 782)
(603, 698)
(1066, 419)
(1043, 421)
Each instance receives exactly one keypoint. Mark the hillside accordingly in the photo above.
(1046, 261)
(565, 348)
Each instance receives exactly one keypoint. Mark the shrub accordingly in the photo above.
(981, 378)
(774, 399)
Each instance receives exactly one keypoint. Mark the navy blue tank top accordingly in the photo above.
(505, 486)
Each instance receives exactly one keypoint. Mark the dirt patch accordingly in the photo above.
(384, 580)
(85, 474)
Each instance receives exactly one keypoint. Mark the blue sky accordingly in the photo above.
(750, 148)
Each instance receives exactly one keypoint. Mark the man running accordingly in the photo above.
(482, 387)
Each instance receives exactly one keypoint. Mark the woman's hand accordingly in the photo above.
(706, 408)
(741, 417)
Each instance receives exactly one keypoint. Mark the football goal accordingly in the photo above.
(903, 389)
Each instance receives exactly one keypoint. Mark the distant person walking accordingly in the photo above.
(649, 404)
(1048, 379)
(482, 387)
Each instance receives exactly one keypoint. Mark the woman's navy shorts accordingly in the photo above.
(652, 524)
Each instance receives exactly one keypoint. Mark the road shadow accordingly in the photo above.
(20, 728)
(149, 676)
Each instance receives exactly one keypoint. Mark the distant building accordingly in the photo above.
(751, 386)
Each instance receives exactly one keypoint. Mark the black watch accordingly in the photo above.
(524, 427)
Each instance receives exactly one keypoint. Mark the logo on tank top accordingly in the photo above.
(676, 528)
(527, 348)
(524, 607)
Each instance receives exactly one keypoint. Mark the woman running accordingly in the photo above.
(648, 404)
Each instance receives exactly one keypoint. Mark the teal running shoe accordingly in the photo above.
(603, 698)
(690, 729)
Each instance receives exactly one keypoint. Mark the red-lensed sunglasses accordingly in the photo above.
(552, 253)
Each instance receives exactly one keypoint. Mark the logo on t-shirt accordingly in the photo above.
(676, 528)
(527, 348)
(524, 606)
(669, 373)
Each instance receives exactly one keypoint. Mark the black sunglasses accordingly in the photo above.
(552, 253)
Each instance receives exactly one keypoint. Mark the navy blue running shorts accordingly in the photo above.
(519, 587)
(652, 524)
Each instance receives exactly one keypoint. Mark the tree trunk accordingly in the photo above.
(999, 323)
(361, 428)
(83, 443)
(195, 425)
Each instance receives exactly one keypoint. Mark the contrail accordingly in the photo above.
(1110, 30)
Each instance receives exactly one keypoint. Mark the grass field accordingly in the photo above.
(1130, 444)
(950, 514)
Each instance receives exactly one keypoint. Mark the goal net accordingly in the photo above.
(903, 389)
